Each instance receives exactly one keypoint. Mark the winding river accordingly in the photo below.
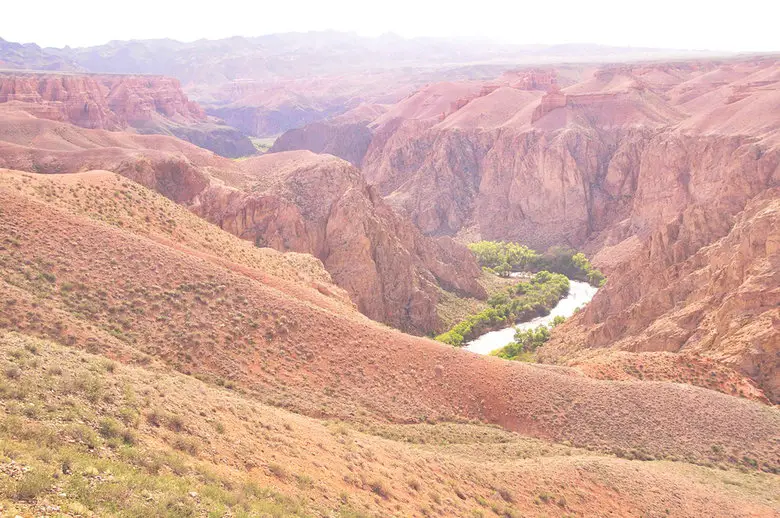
(580, 294)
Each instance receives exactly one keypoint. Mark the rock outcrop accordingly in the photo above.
(703, 284)
(321, 205)
(347, 141)
(146, 104)
(101, 102)
(297, 201)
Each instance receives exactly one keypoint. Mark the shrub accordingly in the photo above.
(506, 495)
(378, 487)
(525, 344)
(277, 470)
(155, 417)
(186, 444)
(304, 481)
(502, 258)
(84, 435)
(175, 423)
(13, 372)
(110, 428)
(32, 485)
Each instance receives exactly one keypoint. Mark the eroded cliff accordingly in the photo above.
(321, 205)
(655, 168)
(146, 104)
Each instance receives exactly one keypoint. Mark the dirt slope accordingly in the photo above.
(110, 290)
(92, 433)
(389, 269)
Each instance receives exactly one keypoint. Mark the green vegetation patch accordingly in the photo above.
(526, 342)
(519, 303)
(502, 258)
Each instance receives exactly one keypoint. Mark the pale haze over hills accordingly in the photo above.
(722, 26)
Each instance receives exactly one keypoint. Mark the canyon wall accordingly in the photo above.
(321, 205)
(101, 102)
(667, 173)
(146, 104)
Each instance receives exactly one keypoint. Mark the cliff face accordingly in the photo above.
(321, 205)
(101, 102)
(703, 284)
(348, 141)
(147, 104)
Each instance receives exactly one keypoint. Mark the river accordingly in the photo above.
(580, 293)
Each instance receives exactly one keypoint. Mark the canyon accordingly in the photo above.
(266, 85)
(188, 330)
(646, 166)
(297, 202)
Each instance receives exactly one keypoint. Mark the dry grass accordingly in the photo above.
(272, 461)
(113, 199)
(204, 356)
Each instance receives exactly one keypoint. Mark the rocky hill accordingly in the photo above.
(321, 205)
(145, 104)
(291, 202)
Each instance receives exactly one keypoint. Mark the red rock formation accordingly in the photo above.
(653, 164)
(321, 205)
(534, 79)
(101, 102)
(295, 201)
(705, 283)
(147, 104)
(551, 101)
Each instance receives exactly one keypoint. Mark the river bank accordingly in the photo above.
(580, 293)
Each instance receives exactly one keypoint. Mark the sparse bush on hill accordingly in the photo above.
(32, 485)
(519, 303)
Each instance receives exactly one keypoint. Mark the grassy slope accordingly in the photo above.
(155, 305)
(119, 440)
(113, 199)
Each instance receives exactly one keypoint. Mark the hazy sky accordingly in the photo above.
(744, 25)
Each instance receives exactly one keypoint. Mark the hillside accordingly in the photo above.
(144, 104)
(326, 359)
(392, 272)
(180, 313)
(84, 433)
